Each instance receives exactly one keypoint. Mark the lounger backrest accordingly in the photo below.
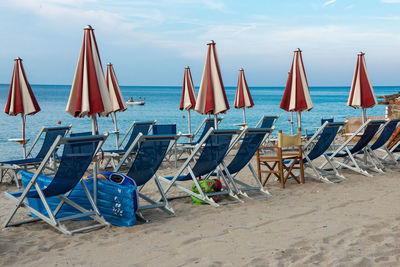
(76, 158)
(207, 125)
(268, 122)
(164, 129)
(49, 138)
(149, 156)
(140, 127)
(215, 148)
(369, 133)
(251, 141)
(325, 140)
(80, 134)
(323, 120)
(385, 134)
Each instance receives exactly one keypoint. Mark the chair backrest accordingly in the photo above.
(386, 133)
(49, 138)
(77, 155)
(139, 127)
(164, 129)
(206, 126)
(369, 133)
(80, 134)
(325, 140)
(215, 147)
(250, 143)
(285, 140)
(267, 122)
(150, 154)
(323, 120)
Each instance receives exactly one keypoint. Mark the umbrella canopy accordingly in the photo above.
(243, 97)
(89, 93)
(296, 96)
(361, 93)
(21, 99)
(117, 100)
(188, 98)
(211, 98)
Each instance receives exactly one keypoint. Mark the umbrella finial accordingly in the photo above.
(109, 64)
(211, 42)
(187, 67)
(88, 27)
(18, 58)
(241, 69)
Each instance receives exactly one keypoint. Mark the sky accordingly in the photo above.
(151, 42)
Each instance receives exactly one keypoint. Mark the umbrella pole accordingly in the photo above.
(189, 127)
(215, 121)
(299, 119)
(95, 166)
(114, 119)
(363, 115)
(291, 122)
(244, 115)
(23, 135)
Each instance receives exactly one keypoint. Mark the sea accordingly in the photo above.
(162, 104)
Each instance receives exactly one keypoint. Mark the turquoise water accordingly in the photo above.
(162, 104)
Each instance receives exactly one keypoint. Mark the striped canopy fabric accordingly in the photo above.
(188, 98)
(211, 98)
(89, 93)
(361, 93)
(296, 96)
(21, 99)
(117, 100)
(243, 97)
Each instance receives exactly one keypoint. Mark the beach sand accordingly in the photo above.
(353, 223)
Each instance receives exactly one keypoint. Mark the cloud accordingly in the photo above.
(391, 1)
(330, 2)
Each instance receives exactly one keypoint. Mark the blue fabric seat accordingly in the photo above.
(51, 133)
(78, 153)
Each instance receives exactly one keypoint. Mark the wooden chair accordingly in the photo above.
(284, 161)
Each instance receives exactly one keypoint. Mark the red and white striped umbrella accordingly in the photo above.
(296, 97)
(21, 99)
(188, 98)
(211, 98)
(117, 100)
(243, 97)
(89, 94)
(361, 93)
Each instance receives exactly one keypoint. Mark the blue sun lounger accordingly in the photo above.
(347, 153)
(13, 166)
(317, 146)
(267, 122)
(78, 153)
(251, 139)
(209, 153)
(151, 150)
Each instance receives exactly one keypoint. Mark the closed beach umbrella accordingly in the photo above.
(361, 93)
(117, 100)
(296, 97)
(243, 97)
(211, 98)
(188, 98)
(89, 94)
(21, 99)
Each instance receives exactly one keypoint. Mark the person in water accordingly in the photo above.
(131, 100)
(140, 99)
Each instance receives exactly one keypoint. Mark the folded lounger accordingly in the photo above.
(151, 150)
(78, 153)
(13, 166)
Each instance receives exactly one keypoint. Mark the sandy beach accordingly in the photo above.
(353, 223)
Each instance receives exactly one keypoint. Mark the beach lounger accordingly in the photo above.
(251, 138)
(78, 153)
(50, 134)
(150, 153)
(317, 146)
(386, 133)
(310, 131)
(267, 122)
(347, 153)
(212, 150)
(112, 156)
